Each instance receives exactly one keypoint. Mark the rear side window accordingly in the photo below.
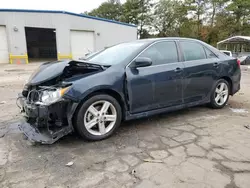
(192, 50)
(161, 53)
(209, 53)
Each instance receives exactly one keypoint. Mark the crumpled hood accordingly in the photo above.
(47, 71)
(51, 70)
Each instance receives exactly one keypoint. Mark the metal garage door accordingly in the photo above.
(82, 43)
(4, 55)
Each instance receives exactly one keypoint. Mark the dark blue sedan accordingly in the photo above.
(127, 81)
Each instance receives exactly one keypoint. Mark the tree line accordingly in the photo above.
(207, 20)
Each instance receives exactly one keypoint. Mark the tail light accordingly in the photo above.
(238, 62)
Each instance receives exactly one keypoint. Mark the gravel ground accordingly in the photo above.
(196, 147)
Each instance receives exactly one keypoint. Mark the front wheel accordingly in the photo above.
(98, 117)
(220, 94)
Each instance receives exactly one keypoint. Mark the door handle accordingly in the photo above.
(216, 64)
(178, 69)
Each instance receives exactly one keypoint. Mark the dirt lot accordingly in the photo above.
(197, 147)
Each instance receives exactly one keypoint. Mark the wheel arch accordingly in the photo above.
(229, 80)
(107, 91)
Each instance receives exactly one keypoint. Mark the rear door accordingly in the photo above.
(201, 69)
(158, 85)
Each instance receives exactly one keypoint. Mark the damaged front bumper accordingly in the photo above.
(46, 123)
(43, 136)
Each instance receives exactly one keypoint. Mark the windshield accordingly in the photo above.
(115, 54)
(88, 56)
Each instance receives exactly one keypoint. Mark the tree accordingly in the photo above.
(169, 17)
(216, 6)
(188, 28)
(210, 32)
(197, 7)
(241, 11)
(112, 9)
(207, 20)
(138, 12)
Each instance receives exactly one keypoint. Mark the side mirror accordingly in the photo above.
(142, 62)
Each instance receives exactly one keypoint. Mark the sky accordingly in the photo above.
(75, 6)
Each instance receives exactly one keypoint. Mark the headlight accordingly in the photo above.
(51, 96)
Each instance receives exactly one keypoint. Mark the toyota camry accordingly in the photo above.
(124, 82)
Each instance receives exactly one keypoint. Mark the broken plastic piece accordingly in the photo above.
(70, 163)
(247, 126)
(3, 102)
(152, 160)
(43, 136)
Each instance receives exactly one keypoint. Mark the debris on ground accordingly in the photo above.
(3, 102)
(121, 146)
(69, 163)
(133, 172)
(14, 70)
(31, 143)
(239, 110)
(2, 134)
(152, 161)
(247, 126)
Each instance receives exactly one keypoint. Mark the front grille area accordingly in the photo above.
(31, 93)
(46, 115)
(25, 91)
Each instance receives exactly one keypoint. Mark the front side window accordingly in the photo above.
(192, 50)
(161, 53)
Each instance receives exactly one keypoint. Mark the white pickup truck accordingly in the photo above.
(244, 60)
(229, 53)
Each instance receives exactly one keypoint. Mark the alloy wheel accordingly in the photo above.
(100, 117)
(221, 93)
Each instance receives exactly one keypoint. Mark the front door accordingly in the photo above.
(158, 85)
(140, 88)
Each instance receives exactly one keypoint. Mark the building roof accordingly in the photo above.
(235, 39)
(69, 13)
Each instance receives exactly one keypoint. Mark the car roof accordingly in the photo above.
(213, 49)
(225, 51)
(168, 38)
(151, 40)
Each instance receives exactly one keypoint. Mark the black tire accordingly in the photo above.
(79, 120)
(213, 103)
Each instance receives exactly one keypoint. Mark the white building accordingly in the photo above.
(46, 35)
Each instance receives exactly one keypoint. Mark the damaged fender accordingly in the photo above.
(46, 123)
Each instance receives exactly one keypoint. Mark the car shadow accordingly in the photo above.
(128, 127)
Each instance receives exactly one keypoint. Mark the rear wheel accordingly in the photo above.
(220, 94)
(98, 117)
